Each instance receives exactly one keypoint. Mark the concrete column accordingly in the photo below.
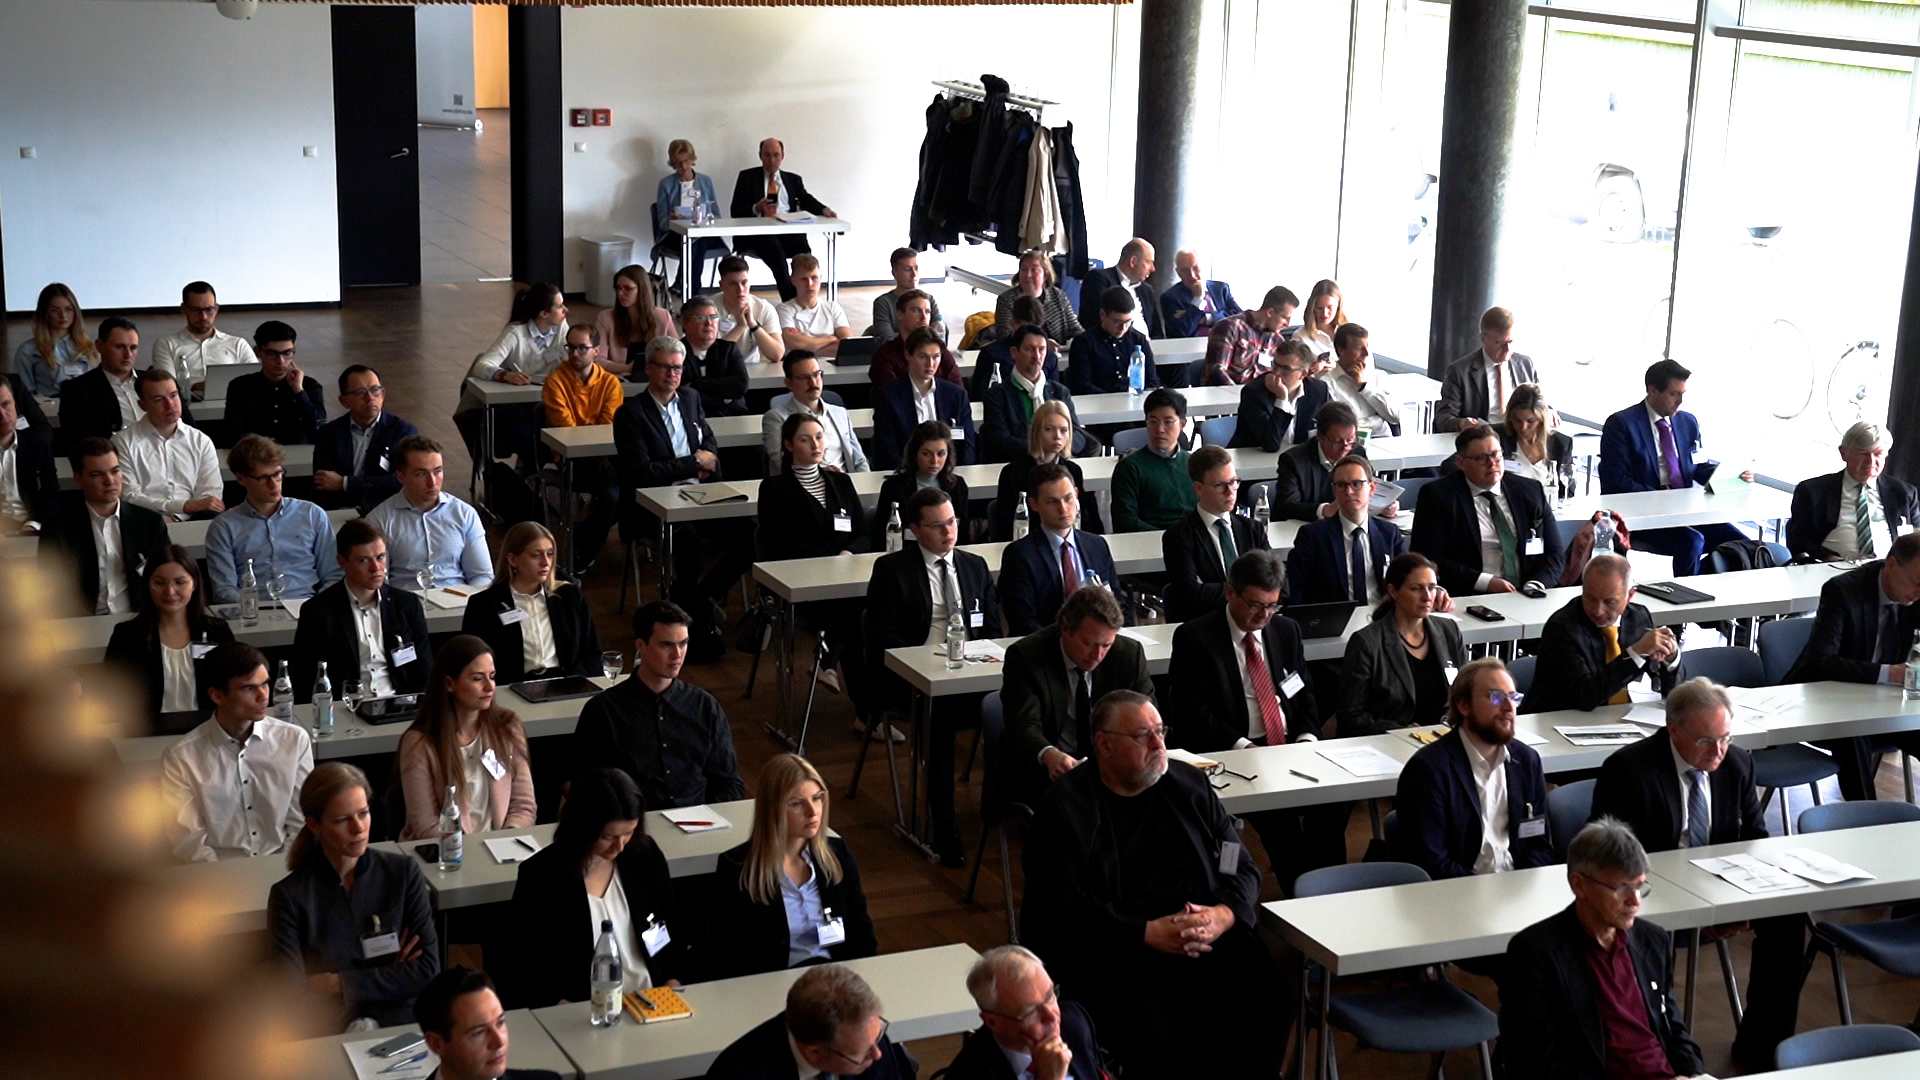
(1164, 145)
(1903, 406)
(533, 52)
(1485, 52)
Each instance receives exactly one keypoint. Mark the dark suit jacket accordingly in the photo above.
(1317, 569)
(1196, 578)
(66, 550)
(1011, 490)
(1550, 1009)
(333, 452)
(576, 640)
(981, 1058)
(751, 938)
(130, 650)
(315, 927)
(1629, 456)
(327, 634)
(1559, 451)
(795, 525)
(1182, 312)
(1003, 434)
(720, 379)
(1446, 529)
(645, 451)
(1093, 367)
(1377, 692)
(895, 490)
(763, 1054)
(900, 599)
(1640, 785)
(1846, 630)
(1030, 588)
(1206, 702)
(1439, 807)
(1146, 314)
(1816, 510)
(1463, 389)
(1261, 425)
(1573, 672)
(39, 484)
(1000, 355)
(1038, 698)
(88, 406)
(38, 426)
(893, 421)
(258, 407)
(1302, 484)
(751, 186)
(550, 951)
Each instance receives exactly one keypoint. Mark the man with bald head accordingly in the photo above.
(1028, 1031)
(1130, 273)
(1192, 304)
(1857, 512)
(767, 192)
(1600, 643)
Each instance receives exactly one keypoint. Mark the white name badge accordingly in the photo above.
(1230, 857)
(976, 620)
(404, 655)
(1450, 671)
(1292, 684)
(959, 433)
(1534, 828)
(842, 523)
(1536, 546)
(492, 763)
(513, 617)
(200, 649)
(833, 932)
(384, 467)
(655, 938)
(372, 948)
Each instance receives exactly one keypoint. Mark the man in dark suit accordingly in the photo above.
(1854, 513)
(27, 409)
(1475, 387)
(1239, 678)
(1053, 676)
(360, 626)
(906, 608)
(1487, 530)
(352, 455)
(1862, 633)
(1023, 1018)
(832, 1026)
(1040, 571)
(1649, 446)
(903, 404)
(1009, 406)
(460, 1015)
(913, 310)
(768, 192)
(1130, 273)
(1688, 786)
(1099, 360)
(1206, 540)
(1589, 991)
(1304, 489)
(1344, 557)
(715, 368)
(104, 400)
(109, 581)
(1600, 643)
(1277, 410)
(29, 484)
(278, 401)
(997, 356)
(1194, 303)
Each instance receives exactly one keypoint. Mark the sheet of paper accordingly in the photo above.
(368, 1067)
(1360, 760)
(1750, 874)
(1385, 492)
(1817, 866)
(984, 649)
(447, 598)
(293, 608)
(1139, 636)
(1766, 701)
(1646, 715)
(512, 849)
(1600, 734)
(694, 819)
(1195, 760)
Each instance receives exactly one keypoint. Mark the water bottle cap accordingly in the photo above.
(606, 926)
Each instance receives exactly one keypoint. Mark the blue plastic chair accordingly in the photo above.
(1856, 815)
(1892, 944)
(1127, 441)
(1828, 1045)
(1775, 768)
(1218, 430)
(1520, 670)
(1568, 808)
(1781, 643)
(1410, 493)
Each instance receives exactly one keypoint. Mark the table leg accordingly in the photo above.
(1326, 1022)
(666, 561)
(566, 509)
(907, 816)
(486, 459)
(686, 266)
(833, 266)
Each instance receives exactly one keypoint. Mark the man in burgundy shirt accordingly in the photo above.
(915, 310)
(1587, 996)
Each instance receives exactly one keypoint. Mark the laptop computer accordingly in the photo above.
(855, 352)
(564, 688)
(1321, 620)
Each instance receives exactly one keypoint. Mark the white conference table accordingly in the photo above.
(1686, 506)
(191, 535)
(1890, 852)
(923, 994)
(1902, 1066)
(528, 1047)
(828, 227)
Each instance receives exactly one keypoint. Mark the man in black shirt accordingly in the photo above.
(669, 735)
(278, 401)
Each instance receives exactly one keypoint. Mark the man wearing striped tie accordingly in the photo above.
(1857, 512)
(1600, 643)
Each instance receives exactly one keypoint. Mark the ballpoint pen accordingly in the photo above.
(408, 1063)
(1304, 776)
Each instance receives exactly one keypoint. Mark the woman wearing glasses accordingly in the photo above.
(1398, 669)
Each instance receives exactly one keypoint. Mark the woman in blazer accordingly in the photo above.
(600, 867)
(808, 511)
(462, 741)
(926, 462)
(1531, 441)
(1049, 439)
(161, 646)
(790, 896)
(538, 628)
(679, 192)
(1398, 669)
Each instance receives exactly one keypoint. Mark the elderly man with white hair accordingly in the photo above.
(1192, 304)
(1028, 1031)
(1857, 512)
(1600, 643)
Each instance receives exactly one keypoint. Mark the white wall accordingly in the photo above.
(847, 90)
(169, 148)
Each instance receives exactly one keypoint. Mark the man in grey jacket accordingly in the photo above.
(808, 395)
(1476, 386)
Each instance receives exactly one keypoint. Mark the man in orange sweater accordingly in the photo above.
(581, 393)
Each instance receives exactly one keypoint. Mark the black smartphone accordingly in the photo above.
(1485, 614)
(397, 1045)
(429, 853)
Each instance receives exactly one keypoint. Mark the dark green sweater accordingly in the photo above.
(1150, 492)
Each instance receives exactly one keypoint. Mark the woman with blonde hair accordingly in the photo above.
(790, 896)
(1049, 438)
(59, 348)
(1532, 442)
(462, 740)
(634, 319)
(680, 195)
(537, 624)
(1323, 313)
(1035, 279)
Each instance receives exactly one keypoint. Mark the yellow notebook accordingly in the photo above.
(657, 1003)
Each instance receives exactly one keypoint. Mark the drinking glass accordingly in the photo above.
(611, 663)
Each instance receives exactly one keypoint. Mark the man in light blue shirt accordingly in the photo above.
(289, 537)
(428, 528)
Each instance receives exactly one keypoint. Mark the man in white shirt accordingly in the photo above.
(750, 323)
(234, 781)
(103, 550)
(169, 467)
(808, 394)
(188, 353)
(1355, 381)
(809, 320)
(428, 529)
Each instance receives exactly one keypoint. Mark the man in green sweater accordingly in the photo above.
(1150, 486)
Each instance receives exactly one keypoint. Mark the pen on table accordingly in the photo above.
(399, 1065)
(527, 842)
(1304, 776)
(685, 824)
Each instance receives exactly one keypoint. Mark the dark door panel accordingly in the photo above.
(377, 141)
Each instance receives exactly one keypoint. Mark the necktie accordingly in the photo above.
(1069, 569)
(1670, 455)
(1228, 553)
(1863, 522)
(1082, 713)
(950, 589)
(1263, 695)
(1612, 634)
(1498, 406)
(1356, 565)
(1697, 823)
(1509, 548)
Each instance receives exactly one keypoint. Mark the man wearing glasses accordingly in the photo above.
(716, 370)
(1277, 409)
(353, 455)
(1487, 530)
(1689, 786)
(1207, 539)
(807, 393)
(288, 537)
(187, 354)
(1303, 490)
(1600, 643)
(831, 1027)
(278, 401)
(581, 393)
(1136, 879)
(1588, 992)
(1028, 1031)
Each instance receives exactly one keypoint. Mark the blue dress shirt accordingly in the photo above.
(446, 537)
(296, 541)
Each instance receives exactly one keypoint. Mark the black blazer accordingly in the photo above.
(645, 451)
(130, 649)
(1146, 312)
(1846, 630)
(981, 1058)
(549, 954)
(576, 640)
(1196, 578)
(1816, 511)
(751, 186)
(750, 938)
(1573, 672)
(374, 483)
(1003, 434)
(1439, 807)
(895, 490)
(1550, 1010)
(1446, 529)
(256, 406)
(327, 634)
(316, 928)
(720, 379)
(1377, 692)
(795, 525)
(39, 484)
(764, 1054)
(1463, 388)
(1031, 592)
(88, 406)
(894, 421)
(1640, 785)
(38, 426)
(68, 542)
(1263, 426)
(1012, 490)
(1037, 698)
(900, 599)
(1302, 484)
(1207, 703)
(1317, 569)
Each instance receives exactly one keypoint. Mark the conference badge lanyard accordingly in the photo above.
(511, 614)
(976, 620)
(1532, 825)
(842, 521)
(654, 936)
(403, 653)
(1534, 545)
(1292, 685)
(379, 942)
(833, 929)
(492, 763)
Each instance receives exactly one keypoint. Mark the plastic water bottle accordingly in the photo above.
(322, 704)
(606, 977)
(1262, 511)
(1603, 534)
(282, 708)
(249, 596)
(452, 836)
(894, 535)
(993, 374)
(1020, 524)
(956, 639)
(1137, 372)
(1912, 689)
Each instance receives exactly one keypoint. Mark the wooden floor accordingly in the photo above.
(422, 340)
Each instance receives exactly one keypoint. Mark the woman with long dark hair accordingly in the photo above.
(161, 645)
(1398, 667)
(634, 319)
(927, 462)
(462, 740)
